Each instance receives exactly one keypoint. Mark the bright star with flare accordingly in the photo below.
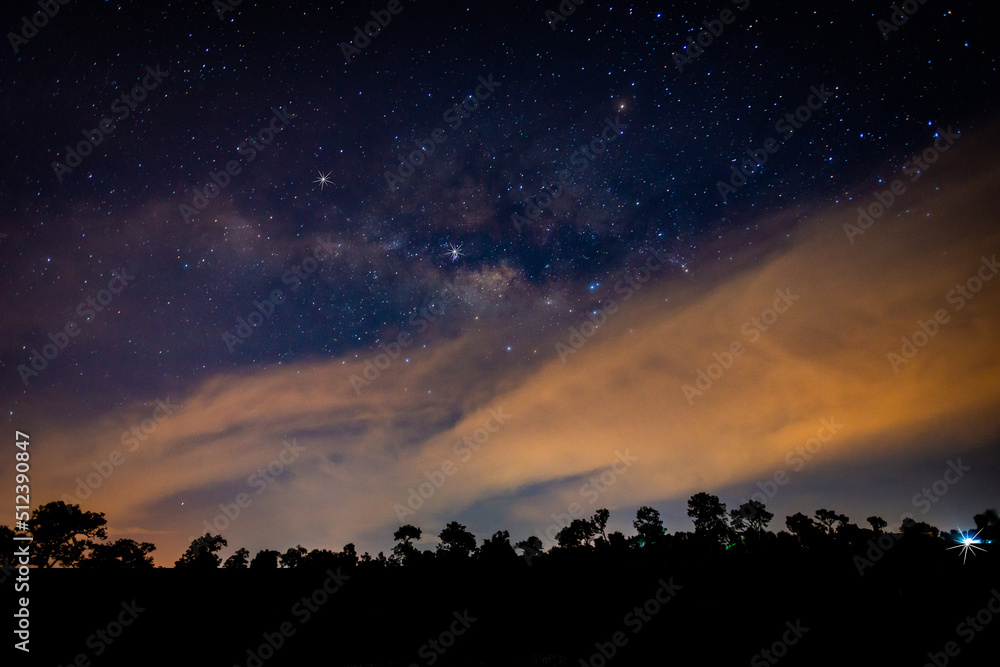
(454, 251)
(323, 179)
(967, 544)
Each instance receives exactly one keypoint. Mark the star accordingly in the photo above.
(323, 179)
(455, 251)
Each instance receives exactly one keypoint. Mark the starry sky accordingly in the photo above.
(506, 257)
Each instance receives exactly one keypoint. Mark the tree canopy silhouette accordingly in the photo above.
(266, 559)
(709, 518)
(120, 554)
(456, 541)
(648, 526)
(66, 536)
(55, 529)
(238, 561)
(202, 554)
(405, 535)
(750, 519)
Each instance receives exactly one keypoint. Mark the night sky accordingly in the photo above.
(508, 258)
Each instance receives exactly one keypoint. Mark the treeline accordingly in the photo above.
(66, 536)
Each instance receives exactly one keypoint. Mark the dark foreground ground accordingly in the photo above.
(723, 609)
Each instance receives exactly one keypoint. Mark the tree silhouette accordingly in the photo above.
(877, 523)
(456, 541)
(600, 522)
(530, 547)
(709, 518)
(649, 526)
(827, 518)
(202, 554)
(497, 548)
(911, 527)
(988, 525)
(349, 556)
(799, 524)
(266, 559)
(617, 540)
(579, 533)
(986, 520)
(121, 554)
(55, 528)
(238, 561)
(751, 518)
(405, 551)
(318, 559)
(804, 528)
(293, 556)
